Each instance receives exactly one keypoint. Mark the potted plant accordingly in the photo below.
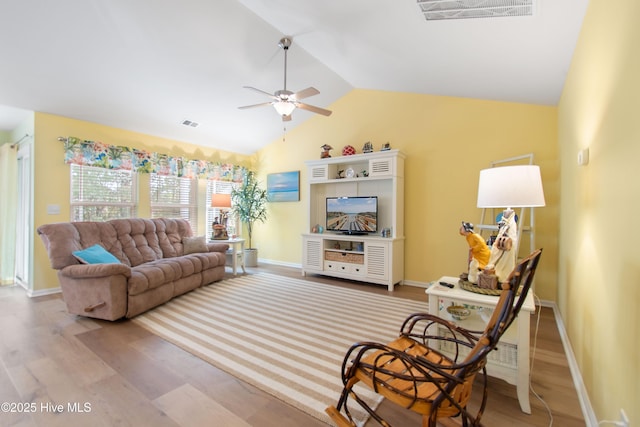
(249, 203)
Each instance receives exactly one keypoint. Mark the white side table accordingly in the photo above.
(236, 250)
(511, 360)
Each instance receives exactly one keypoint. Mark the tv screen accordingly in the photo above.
(352, 215)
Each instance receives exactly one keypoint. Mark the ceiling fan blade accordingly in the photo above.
(259, 91)
(314, 109)
(262, 104)
(305, 93)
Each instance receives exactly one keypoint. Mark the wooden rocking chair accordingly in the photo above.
(412, 371)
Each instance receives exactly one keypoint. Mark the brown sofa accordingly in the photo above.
(158, 260)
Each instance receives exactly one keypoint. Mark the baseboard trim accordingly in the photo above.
(42, 292)
(416, 284)
(583, 397)
(280, 263)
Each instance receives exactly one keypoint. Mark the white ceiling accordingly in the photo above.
(145, 65)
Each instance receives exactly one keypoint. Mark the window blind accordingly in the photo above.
(99, 194)
(174, 197)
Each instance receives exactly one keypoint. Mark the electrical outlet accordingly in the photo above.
(624, 420)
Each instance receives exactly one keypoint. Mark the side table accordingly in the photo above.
(236, 250)
(511, 360)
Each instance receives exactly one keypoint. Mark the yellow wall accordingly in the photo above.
(447, 142)
(51, 174)
(599, 267)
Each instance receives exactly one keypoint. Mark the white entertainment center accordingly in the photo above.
(369, 257)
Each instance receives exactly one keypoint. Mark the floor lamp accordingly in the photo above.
(509, 187)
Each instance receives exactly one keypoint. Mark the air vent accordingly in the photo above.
(190, 123)
(436, 10)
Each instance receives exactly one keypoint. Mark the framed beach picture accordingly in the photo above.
(283, 186)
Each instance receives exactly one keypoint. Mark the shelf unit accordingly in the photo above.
(368, 258)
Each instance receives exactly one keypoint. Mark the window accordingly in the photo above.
(220, 187)
(173, 197)
(99, 194)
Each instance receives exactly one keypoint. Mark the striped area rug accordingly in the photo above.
(285, 336)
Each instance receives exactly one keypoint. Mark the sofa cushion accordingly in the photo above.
(62, 239)
(194, 244)
(170, 233)
(95, 254)
(138, 239)
(153, 274)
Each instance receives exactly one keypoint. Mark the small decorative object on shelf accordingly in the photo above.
(458, 312)
(386, 147)
(348, 150)
(317, 229)
(351, 173)
(324, 154)
(364, 173)
(367, 147)
(487, 278)
(386, 232)
(479, 252)
(340, 174)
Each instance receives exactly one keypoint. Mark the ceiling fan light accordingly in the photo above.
(284, 108)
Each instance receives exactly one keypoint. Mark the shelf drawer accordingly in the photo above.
(344, 268)
(505, 355)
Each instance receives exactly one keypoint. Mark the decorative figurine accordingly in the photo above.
(325, 151)
(367, 147)
(479, 252)
(502, 255)
(220, 228)
(348, 150)
(386, 147)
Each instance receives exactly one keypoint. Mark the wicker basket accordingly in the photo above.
(344, 257)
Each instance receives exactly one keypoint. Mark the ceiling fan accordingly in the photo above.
(285, 101)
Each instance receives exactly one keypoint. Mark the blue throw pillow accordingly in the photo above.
(95, 254)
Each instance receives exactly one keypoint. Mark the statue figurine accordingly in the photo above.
(503, 253)
(367, 147)
(325, 151)
(479, 252)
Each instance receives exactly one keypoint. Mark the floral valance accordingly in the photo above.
(98, 154)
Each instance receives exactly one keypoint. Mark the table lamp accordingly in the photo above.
(223, 203)
(509, 187)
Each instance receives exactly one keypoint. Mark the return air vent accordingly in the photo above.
(190, 123)
(435, 10)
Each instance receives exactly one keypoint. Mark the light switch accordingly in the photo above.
(583, 157)
(53, 209)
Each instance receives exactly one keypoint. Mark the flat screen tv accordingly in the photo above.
(352, 215)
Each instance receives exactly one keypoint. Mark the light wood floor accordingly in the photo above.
(58, 370)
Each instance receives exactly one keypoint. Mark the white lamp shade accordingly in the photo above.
(510, 187)
(284, 108)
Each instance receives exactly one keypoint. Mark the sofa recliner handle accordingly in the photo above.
(93, 307)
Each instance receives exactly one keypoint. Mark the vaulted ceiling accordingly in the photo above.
(148, 65)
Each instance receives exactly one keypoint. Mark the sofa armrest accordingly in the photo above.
(95, 270)
(218, 247)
